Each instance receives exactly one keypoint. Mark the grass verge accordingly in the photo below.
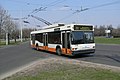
(65, 71)
(3, 43)
(107, 40)
(11, 43)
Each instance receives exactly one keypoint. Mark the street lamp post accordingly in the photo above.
(21, 33)
(19, 19)
(21, 24)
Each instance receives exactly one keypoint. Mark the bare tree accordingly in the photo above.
(6, 24)
(15, 32)
(102, 30)
(2, 20)
(26, 32)
(118, 32)
(96, 32)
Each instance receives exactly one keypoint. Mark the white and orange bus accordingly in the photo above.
(71, 39)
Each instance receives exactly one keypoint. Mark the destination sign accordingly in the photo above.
(80, 27)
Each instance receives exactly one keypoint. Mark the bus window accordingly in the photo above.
(77, 37)
(39, 37)
(81, 37)
(89, 37)
(54, 37)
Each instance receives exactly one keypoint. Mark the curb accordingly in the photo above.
(39, 62)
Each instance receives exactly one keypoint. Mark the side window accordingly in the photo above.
(32, 36)
(39, 37)
(54, 37)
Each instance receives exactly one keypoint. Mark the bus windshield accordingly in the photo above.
(82, 37)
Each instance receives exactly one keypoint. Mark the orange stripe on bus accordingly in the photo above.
(63, 51)
(41, 47)
(66, 52)
(52, 49)
(69, 51)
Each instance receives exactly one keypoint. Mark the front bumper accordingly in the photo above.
(83, 52)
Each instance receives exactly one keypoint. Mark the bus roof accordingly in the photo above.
(60, 26)
(54, 25)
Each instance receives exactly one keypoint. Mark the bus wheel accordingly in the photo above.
(58, 51)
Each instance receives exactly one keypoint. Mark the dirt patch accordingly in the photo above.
(60, 64)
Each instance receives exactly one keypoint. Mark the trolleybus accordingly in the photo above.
(70, 39)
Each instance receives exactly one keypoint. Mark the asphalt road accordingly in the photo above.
(105, 54)
(12, 57)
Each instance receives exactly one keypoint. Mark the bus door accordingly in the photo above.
(33, 39)
(66, 42)
(45, 41)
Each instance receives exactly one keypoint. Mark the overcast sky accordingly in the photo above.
(99, 12)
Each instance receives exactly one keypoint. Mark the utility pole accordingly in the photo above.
(21, 24)
(6, 38)
(0, 32)
(21, 31)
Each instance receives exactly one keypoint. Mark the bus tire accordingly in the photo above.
(58, 51)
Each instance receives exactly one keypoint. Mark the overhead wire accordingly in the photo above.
(107, 4)
(42, 8)
(47, 6)
(85, 9)
(58, 2)
(54, 3)
(28, 3)
(23, 2)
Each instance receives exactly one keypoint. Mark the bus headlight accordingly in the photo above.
(74, 49)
